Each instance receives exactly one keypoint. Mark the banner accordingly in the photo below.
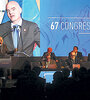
(64, 24)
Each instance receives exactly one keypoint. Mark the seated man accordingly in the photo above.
(49, 51)
(48, 58)
(88, 57)
(78, 55)
(72, 60)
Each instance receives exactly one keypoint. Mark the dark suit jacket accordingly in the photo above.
(45, 55)
(88, 57)
(29, 35)
(78, 57)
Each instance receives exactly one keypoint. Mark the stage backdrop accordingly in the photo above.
(64, 24)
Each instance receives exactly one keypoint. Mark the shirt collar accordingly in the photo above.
(19, 23)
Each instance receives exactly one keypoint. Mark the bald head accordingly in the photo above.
(72, 54)
(13, 11)
(12, 3)
(49, 50)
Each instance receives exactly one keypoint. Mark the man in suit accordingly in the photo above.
(78, 55)
(48, 58)
(88, 57)
(49, 52)
(71, 60)
(28, 32)
(75, 57)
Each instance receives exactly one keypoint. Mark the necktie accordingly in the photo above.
(15, 36)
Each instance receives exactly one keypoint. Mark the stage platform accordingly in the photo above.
(17, 62)
(13, 64)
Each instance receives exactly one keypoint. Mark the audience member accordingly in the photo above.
(82, 73)
(66, 73)
(57, 78)
(75, 74)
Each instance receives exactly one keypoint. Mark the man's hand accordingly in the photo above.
(56, 60)
(43, 67)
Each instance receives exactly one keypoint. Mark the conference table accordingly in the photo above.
(17, 62)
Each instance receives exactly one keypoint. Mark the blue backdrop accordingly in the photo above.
(64, 24)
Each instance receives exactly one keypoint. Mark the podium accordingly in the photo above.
(5, 62)
(18, 62)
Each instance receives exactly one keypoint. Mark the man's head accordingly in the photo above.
(72, 55)
(14, 11)
(49, 50)
(75, 49)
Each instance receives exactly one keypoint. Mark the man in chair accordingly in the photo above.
(49, 58)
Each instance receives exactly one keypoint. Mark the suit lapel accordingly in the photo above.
(11, 40)
(22, 36)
